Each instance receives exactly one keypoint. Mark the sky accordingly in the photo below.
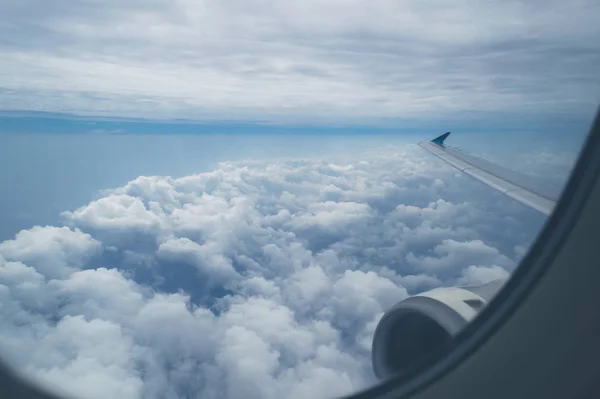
(301, 61)
(220, 199)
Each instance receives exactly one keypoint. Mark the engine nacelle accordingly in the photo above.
(425, 322)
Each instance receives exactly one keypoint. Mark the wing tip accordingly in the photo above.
(440, 139)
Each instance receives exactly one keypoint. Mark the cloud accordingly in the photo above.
(452, 254)
(338, 61)
(258, 279)
(207, 258)
(53, 251)
(475, 275)
(117, 212)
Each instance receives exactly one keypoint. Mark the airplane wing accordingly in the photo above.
(522, 188)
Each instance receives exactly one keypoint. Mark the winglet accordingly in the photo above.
(440, 140)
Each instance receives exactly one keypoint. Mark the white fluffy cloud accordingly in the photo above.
(53, 251)
(452, 254)
(259, 279)
(341, 60)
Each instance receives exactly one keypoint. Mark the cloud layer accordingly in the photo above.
(327, 60)
(258, 279)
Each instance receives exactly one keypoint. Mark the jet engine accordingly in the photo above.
(420, 324)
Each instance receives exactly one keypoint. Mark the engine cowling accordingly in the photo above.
(420, 324)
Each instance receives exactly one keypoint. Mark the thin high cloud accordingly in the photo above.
(260, 279)
(275, 61)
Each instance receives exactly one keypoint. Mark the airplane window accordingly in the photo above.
(256, 199)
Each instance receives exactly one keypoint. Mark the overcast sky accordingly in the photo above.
(338, 60)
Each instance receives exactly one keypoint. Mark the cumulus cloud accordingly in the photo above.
(330, 60)
(53, 251)
(258, 279)
(475, 275)
(452, 254)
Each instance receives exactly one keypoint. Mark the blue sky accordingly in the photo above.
(47, 122)
(220, 199)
